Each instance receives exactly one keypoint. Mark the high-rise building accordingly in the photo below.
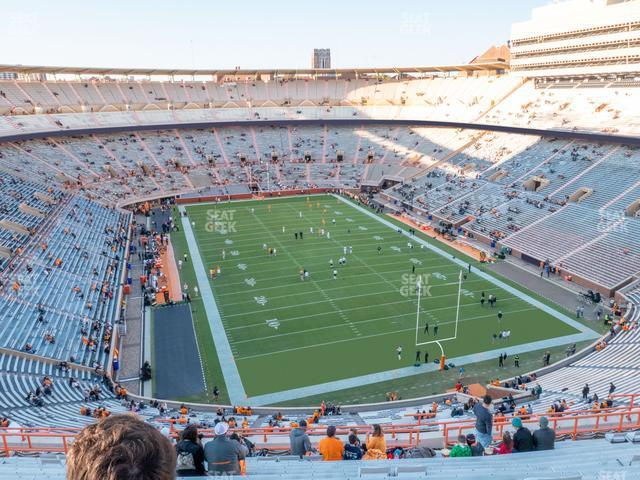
(321, 58)
(578, 38)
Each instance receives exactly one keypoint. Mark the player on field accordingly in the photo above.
(335, 274)
(435, 329)
(426, 328)
(399, 352)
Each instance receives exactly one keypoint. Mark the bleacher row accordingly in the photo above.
(446, 96)
(583, 196)
(59, 290)
(521, 190)
(118, 167)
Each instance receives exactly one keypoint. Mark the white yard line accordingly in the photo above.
(354, 382)
(360, 286)
(412, 314)
(508, 288)
(358, 308)
(237, 395)
(586, 333)
(315, 284)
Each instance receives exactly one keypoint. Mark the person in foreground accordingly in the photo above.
(190, 453)
(330, 447)
(484, 421)
(223, 454)
(299, 440)
(461, 449)
(544, 438)
(121, 447)
(522, 439)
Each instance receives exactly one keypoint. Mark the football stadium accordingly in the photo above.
(326, 272)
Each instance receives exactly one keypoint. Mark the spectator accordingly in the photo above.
(245, 450)
(477, 450)
(377, 441)
(222, 454)
(352, 451)
(484, 421)
(544, 438)
(522, 439)
(330, 447)
(299, 440)
(121, 447)
(507, 444)
(190, 454)
(461, 449)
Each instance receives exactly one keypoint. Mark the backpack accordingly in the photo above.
(185, 461)
(420, 452)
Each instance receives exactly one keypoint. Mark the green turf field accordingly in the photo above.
(287, 333)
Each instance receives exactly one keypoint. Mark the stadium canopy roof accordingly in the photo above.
(35, 69)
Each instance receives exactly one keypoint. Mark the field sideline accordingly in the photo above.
(321, 330)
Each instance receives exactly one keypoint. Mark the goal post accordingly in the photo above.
(420, 293)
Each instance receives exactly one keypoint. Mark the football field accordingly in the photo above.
(344, 319)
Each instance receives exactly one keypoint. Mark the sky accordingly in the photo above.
(253, 33)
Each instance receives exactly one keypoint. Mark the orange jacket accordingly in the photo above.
(331, 449)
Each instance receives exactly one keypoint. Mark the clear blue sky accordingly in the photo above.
(253, 33)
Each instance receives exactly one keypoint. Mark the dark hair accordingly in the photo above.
(190, 433)
(303, 423)
(353, 439)
(507, 440)
(487, 400)
(121, 447)
(377, 430)
(331, 431)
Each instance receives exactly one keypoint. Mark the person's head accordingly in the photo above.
(353, 439)
(507, 440)
(377, 430)
(331, 431)
(462, 439)
(190, 433)
(121, 447)
(516, 422)
(221, 429)
(302, 424)
(544, 422)
(487, 400)
(471, 439)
